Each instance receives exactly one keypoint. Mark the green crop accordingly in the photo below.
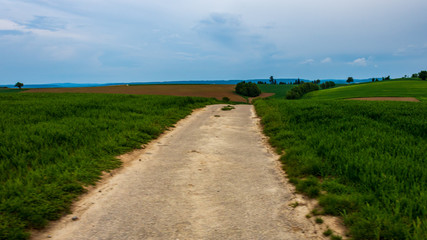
(279, 90)
(369, 158)
(11, 90)
(51, 145)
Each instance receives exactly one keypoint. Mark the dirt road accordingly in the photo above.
(212, 177)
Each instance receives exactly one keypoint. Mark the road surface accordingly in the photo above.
(211, 177)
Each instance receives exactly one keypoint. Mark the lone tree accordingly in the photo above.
(19, 84)
(350, 80)
(423, 75)
(272, 80)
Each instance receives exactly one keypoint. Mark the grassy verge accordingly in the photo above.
(366, 161)
(53, 144)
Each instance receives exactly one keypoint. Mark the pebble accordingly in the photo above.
(74, 218)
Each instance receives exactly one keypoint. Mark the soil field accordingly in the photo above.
(214, 91)
(399, 99)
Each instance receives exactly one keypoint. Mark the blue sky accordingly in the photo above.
(101, 41)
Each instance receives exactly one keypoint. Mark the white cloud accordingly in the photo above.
(308, 61)
(7, 25)
(327, 60)
(411, 50)
(360, 62)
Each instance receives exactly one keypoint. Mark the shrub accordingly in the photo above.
(327, 84)
(336, 237)
(293, 95)
(227, 108)
(327, 232)
(247, 89)
(226, 99)
(299, 91)
(423, 75)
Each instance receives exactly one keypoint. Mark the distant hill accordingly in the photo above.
(395, 88)
(228, 82)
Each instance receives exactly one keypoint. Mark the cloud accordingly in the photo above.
(7, 25)
(308, 61)
(185, 56)
(327, 60)
(219, 39)
(45, 23)
(225, 36)
(360, 62)
(221, 28)
(411, 50)
(37, 23)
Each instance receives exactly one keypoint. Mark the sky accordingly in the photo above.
(105, 41)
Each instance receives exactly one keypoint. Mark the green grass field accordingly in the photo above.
(279, 90)
(397, 88)
(11, 90)
(53, 144)
(365, 161)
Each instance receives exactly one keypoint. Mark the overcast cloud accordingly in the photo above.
(48, 41)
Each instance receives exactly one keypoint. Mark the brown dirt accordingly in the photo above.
(217, 91)
(400, 99)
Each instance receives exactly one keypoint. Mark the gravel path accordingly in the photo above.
(212, 177)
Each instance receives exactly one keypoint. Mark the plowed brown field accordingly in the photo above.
(215, 90)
